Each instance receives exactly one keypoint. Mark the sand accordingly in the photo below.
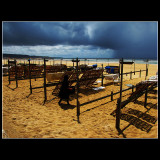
(25, 116)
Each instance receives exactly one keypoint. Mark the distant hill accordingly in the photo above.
(6, 55)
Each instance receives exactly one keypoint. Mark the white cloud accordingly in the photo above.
(61, 51)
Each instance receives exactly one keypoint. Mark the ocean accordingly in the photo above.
(138, 61)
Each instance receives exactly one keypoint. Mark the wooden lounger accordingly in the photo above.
(89, 77)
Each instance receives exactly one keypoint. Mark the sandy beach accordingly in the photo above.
(25, 116)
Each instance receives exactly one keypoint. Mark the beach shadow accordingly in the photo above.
(89, 91)
(108, 83)
(137, 118)
(153, 92)
(150, 105)
(11, 88)
(153, 106)
(66, 106)
(95, 100)
(139, 102)
(121, 132)
(93, 107)
(50, 100)
(142, 115)
(152, 97)
(74, 96)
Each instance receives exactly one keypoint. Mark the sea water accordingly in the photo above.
(87, 60)
(138, 61)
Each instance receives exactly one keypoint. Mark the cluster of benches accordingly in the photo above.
(86, 78)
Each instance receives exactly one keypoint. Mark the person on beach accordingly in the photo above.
(64, 90)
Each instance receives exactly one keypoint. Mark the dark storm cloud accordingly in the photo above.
(43, 33)
(127, 39)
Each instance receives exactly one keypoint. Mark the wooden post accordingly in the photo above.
(30, 77)
(85, 60)
(78, 107)
(121, 79)
(111, 95)
(8, 72)
(131, 75)
(140, 73)
(102, 76)
(147, 68)
(132, 88)
(16, 74)
(118, 110)
(45, 93)
(118, 114)
(61, 61)
(119, 67)
(134, 66)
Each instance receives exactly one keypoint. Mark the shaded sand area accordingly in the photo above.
(25, 116)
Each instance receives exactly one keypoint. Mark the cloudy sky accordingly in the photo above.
(91, 39)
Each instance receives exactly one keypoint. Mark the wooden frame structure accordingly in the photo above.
(45, 85)
(135, 95)
(15, 71)
(143, 89)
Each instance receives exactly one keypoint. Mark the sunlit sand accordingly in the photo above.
(25, 116)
